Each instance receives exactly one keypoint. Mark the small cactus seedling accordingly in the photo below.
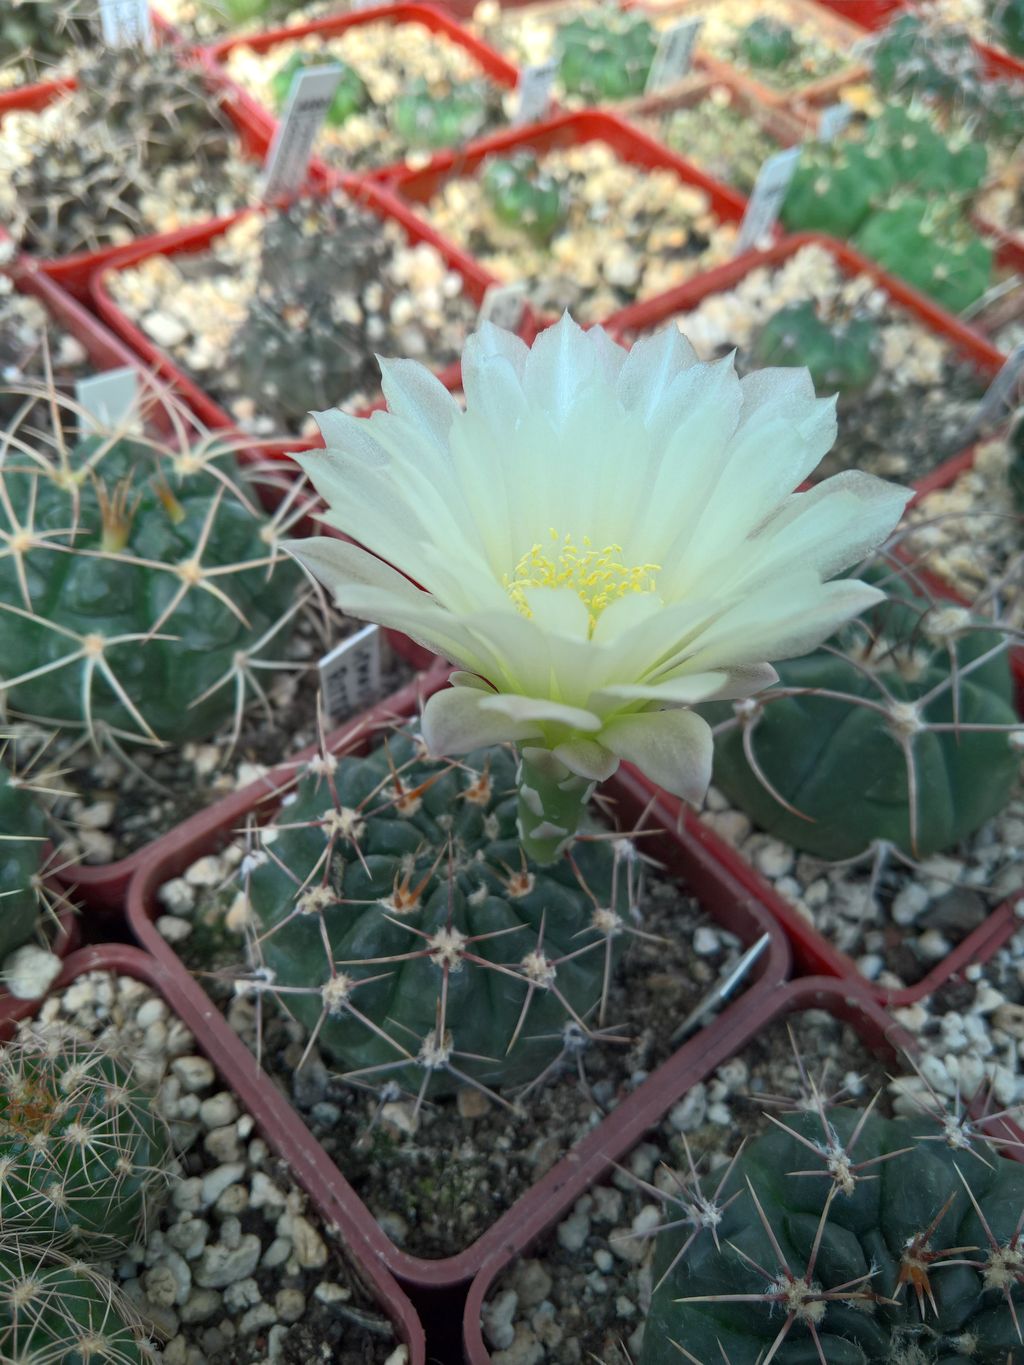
(83, 1158)
(58, 1311)
(427, 118)
(140, 586)
(305, 344)
(606, 57)
(845, 1238)
(901, 731)
(523, 195)
(393, 912)
(842, 357)
(767, 44)
(22, 836)
(350, 97)
(917, 55)
(929, 243)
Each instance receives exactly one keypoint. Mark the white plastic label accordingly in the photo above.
(766, 198)
(126, 22)
(350, 674)
(536, 84)
(309, 98)
(504, 305)
(108, 398)
(834, 120)
(674, 56)
(1001, 397)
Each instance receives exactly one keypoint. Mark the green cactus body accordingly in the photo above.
(932, 246)
(350, 97)
(918, 57)
(423, 118)
(1008, 22)
(523, 195)
(919, 156)
(834, 188)
(482, 961)
(842, 357)
(925, 1253)
(1001, 110)
(22, 834)
(144, 581)
(767, 44)
(82, 1155)
(44, 30)
(1015, 473)
(606, 57)
(841, 763)
(57, 1311)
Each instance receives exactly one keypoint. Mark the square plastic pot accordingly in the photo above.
(727, 900)
(568, 130)
(289, 1140)
(432, 17)
(75, 272)
(874, 1027)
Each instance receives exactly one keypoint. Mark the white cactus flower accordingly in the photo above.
(599, 540)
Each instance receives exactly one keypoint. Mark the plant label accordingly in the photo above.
(674, 56)
(309, 98)
(504, 305)
(350, 675)
(107, 399)
(1003, 395)
(834, 120)
(766, 198)
(534, 91)
(126, 23)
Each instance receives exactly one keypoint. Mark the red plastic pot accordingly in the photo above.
(429, 16)
(287, 1138)
(971, 345)
(377, 198)
(74, 273)
(875, 14)
(875, 1028)
(722, 895)
(569, 130)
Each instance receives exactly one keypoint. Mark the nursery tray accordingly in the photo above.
(432, 17)
(279, 1126)
(875, 1028)
(730, 903)
(630, 144)
(74, 273)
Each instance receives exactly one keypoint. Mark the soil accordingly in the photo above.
(718, 136)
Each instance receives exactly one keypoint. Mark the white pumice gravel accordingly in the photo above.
(237, 1264)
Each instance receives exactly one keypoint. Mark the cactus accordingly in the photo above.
(1015, 473)
(918, 155)
(425, 118)
(841, 356)
(22, 835)
(1000, 108)
(915, 55)
(58, 1311)
(900, 745)
(929, 243)
(834, 188)
(238, 13)
(395, 915)
(840, 1236)
(350, 97)
(304, 344)
(42, 31)
(606, 56)
(1008, 22)
(767, 44)
(84, 1159)
(137, 589)
(523, 195)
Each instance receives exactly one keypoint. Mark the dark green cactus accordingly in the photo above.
(305, 343)
(145, 581)
(42, 31)
(606, 56)
(423, 117)
(767, 43)
(84, 1159)
(1000, 108)
(523, 195)
(396, 917)
(842, 357)
(932, 245)
(1008, 22)
(350, 97)
(883, 759)
(917, 154)
(834, 188)
(918, 56)
(1015, 474)
(914, 1257)
(22, 836)
(58, 1311)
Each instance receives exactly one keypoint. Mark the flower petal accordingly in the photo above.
(672, 748)
(587, 758)
(454, 722)
(533, 709)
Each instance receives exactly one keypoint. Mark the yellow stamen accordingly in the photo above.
(597, 577)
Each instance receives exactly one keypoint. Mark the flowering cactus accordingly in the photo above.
(598, 540)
